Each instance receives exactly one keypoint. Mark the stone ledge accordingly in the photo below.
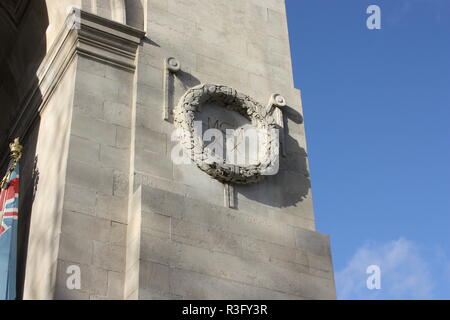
(104, 39)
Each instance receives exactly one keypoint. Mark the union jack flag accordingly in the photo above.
(9, 214)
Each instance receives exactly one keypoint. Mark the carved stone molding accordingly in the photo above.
(192, 103)
(171, 67)
(275, 108)
(83, 34)
(107, 40)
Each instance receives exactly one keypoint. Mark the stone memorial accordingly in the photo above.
(164, 151)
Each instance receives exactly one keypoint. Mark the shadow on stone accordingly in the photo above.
(19, 62)
(184, 80)
(187, 80)
(150, 42)
(291, 184)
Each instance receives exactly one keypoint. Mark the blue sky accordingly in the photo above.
(377, 116)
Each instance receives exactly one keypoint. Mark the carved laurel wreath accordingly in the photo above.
(191, 103)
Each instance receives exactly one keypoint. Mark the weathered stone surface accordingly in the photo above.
(76, 249)
(97, 130)
(86, 226)
(314, 242)
(271, 276)
(182, 239)
(108, 256)
(90, 176)
(79, 199)
(93, 280)
(138, 225)
(190, 284)
(112, 157)
(112, 207)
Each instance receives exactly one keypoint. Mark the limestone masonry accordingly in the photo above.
(95, 91)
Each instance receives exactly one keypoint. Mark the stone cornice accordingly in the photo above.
(83, 34)
(107, 40)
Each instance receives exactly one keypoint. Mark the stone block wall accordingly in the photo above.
(244, 45)
(138, 225)
(183, 242)
(183, 248)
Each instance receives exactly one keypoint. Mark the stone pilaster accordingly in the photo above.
(79, 213)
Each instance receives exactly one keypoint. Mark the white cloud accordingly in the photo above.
(405, 274)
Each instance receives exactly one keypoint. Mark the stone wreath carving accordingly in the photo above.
(259, 116)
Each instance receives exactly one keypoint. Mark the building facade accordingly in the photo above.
(95, 89)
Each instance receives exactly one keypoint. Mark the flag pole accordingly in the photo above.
(15, 153)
